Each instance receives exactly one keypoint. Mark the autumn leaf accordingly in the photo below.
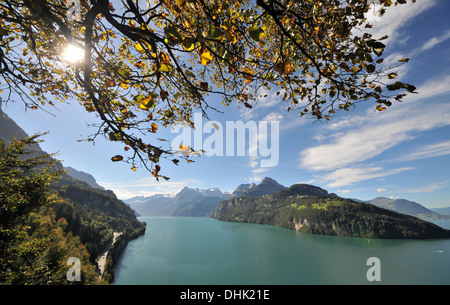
(117, 158)
(392, 75)
(164, 94)
(139, 47)
(154, 128)
(284, 68)
(165, 68)
(231, 37)
(146, 103)
(248, 75)
(206, 57)
(188, 44)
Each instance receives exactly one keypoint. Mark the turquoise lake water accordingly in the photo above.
(205, 251)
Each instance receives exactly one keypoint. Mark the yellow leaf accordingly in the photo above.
(206, 57)
(248, 76)
(146, 103)
(124, 86)
(139, 48)
(188, 44)
(164, 58)
(165, 68)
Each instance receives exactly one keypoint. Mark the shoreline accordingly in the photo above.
(101, 259)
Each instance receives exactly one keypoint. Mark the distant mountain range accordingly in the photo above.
(197, 202)
(187, 202)
(407, 207)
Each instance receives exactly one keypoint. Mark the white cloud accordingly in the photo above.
(273, 116)
(431, 43)
(381, 190)
(395, 17)
(351, 175)
(428, 188)
(428, 151)
(344, 191)
(367, 136)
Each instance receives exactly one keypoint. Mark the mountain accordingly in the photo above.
(311, 209)
(187, 202)
(265, 187)
(82, 176)
(407, 207)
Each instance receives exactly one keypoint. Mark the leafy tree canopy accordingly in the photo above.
(145, 64)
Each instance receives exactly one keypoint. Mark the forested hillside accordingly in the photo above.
(47, 216)
(310, 209)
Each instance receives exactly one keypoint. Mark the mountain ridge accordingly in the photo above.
(408, 207)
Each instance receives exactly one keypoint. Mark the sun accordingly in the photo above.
(73, 54)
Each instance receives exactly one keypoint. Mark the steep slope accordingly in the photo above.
(92, 214)
(310, 209)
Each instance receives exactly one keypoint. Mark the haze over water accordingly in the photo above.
(205, 251)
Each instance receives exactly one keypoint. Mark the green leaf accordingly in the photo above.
(215, 33)
(256, 33)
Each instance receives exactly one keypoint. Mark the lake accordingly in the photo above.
(205, 251)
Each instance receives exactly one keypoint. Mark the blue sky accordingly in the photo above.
(403, 152)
